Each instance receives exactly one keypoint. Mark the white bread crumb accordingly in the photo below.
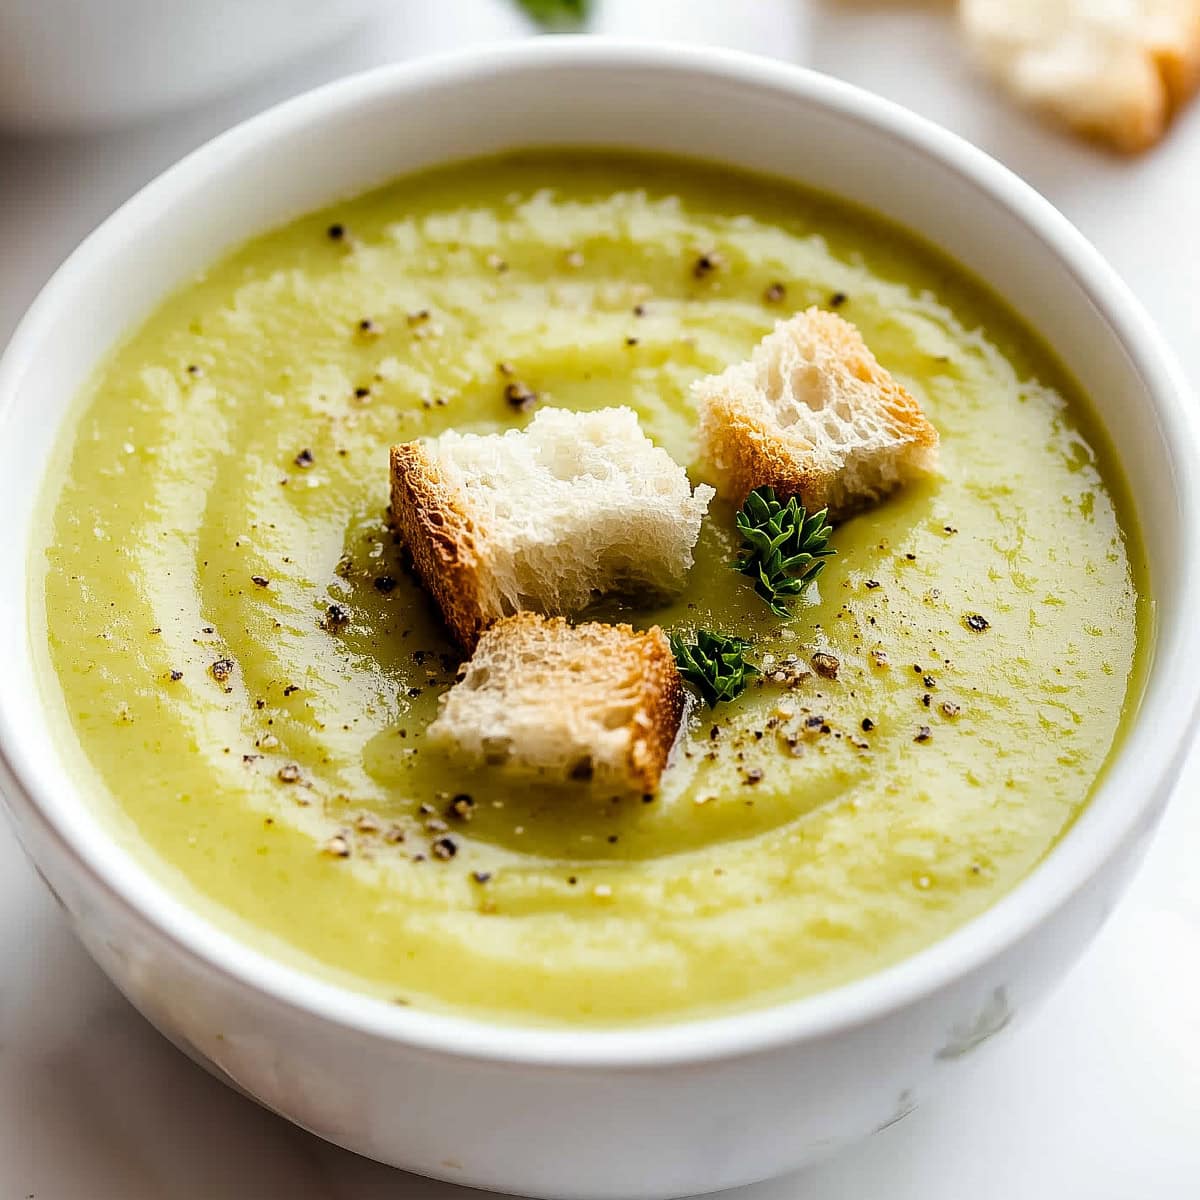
(576, 506)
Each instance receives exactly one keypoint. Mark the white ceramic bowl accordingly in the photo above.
(640, 1112)
(85, 64)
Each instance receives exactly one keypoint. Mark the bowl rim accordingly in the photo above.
(1142, 769)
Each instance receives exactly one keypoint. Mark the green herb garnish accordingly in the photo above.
(556, 14)
(783, 548)
(714, 664)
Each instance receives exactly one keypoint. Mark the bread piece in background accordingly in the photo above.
(567, 702)
(812, 414)
(548, 518)
(1116, 70)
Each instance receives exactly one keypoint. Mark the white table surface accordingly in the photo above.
(1097, 1098)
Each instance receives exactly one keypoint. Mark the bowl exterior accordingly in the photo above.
(635, 1113)
(567, 1131)
(67, 66)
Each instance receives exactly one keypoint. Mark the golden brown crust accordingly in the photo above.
(747, 455)
(443, 538)
(1133, 130)
(1179, 65)
(656, 720)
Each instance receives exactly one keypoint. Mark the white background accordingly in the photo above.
(1097, 1097)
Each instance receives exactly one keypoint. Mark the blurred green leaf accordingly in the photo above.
(557, 14)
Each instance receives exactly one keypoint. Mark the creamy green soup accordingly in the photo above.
(245, 669)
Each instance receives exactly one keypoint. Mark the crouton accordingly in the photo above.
(813, 415)
(567, 702)
(576, 506)
(1112, 71)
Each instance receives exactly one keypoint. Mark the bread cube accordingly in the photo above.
(567, 702)
(547, 519)
(812, 414)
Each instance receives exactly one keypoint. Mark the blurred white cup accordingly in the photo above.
(72, 65)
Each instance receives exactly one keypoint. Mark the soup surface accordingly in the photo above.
(225, 484)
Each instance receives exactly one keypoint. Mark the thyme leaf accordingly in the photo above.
(783, 548)
(714, 664)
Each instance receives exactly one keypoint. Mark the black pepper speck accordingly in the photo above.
(825, 665)
(520, 397)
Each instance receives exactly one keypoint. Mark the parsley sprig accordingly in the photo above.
(715, 664)
(783, 548)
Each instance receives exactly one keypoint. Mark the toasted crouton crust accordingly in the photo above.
(571, 702)
(442, 537)
(747, 444)
(1179, 64)
(655, 721)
